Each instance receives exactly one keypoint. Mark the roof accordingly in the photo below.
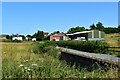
(79, 33)
(46, 33)
(59, 34)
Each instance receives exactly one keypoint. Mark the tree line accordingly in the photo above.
(39, 35)
(98, 26)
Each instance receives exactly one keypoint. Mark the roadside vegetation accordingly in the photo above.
(22, 60)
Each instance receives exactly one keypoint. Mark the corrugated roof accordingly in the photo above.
(79, 32)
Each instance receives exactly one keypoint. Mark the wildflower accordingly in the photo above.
(25, 60)
(21, 65)
(34, 64)
(28, 69)
(84, 77)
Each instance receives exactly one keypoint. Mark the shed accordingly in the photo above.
(87, 35)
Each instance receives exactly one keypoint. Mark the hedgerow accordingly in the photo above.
(88, 46)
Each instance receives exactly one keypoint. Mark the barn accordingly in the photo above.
(17, 38)
(87, 35)
(58, 37)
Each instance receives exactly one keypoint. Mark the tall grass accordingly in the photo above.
(19, 61)
(0, 61)
(112, 39)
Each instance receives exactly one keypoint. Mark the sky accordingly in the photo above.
(28, 17)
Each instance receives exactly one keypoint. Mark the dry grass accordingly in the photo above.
(112, 39)
(16, 51)
(14, 54)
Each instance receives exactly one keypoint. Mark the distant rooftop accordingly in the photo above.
(79, 32)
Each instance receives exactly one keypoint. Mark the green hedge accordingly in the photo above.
(87, 46)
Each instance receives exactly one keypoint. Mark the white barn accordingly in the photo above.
(33, 39)
(17, 38)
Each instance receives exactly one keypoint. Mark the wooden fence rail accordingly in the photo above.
(99, 57)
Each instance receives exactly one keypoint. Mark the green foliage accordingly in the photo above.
(55, 32)
(76, 29)
(109, 30)
(17, 62)
(7, 37)
(88, 46)
(42, 47)
(118, 41)
(8, 40)
(39, 35)
(92, 27)
(119, 28)
(99, 26)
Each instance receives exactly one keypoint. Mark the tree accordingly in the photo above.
(92, 27)
(23, 37)
(119, 28)
(7, 37)
(99, 26)
(29, 36)
(76, 29)
(39, 35)
(55, 32)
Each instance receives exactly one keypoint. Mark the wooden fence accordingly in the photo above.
(91, 56)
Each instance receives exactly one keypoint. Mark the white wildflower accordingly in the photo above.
(25, 60)
(21, 65)
(28, 69)
(34, 64)
(84, 77)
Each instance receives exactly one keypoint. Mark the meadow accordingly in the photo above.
(20, 61)
(113, 39)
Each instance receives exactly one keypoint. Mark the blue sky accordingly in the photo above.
(28, 17)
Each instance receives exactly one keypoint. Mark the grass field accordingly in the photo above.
(19, 61)
(112, 39)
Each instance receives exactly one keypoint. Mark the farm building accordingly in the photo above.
(33, 39)
(58, 37)
(17, 38)
(87, 35)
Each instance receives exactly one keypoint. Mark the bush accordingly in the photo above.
(88, 46)
(42, 47)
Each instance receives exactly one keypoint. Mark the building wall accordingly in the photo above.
(96, 35)
(17, 38)
(56, 38)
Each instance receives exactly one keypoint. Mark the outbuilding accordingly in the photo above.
(17, 38)
(87, 35)
(58, 37)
